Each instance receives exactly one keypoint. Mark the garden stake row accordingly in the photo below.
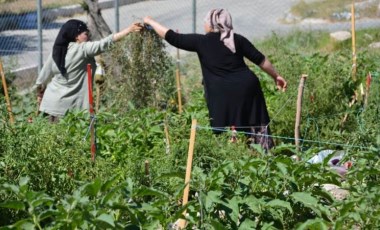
(7, 100)
(299, 109)
(182, 222)
(92, 113)
(178, 81)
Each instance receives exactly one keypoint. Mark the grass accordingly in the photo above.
(326, 8)
(23, 6)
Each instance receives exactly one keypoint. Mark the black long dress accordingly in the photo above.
(233, 92)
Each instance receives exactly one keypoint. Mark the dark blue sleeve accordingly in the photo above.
(250, 51)
(189, 42)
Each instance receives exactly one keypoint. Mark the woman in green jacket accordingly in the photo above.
(62, 84)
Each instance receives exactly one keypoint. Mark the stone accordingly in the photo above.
(375, 45)
(340, 36)
(337, 192)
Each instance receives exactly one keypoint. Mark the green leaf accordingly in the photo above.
(145, 191)
(316, 224)
(41, 200)
(109, 183)
(218, 225)
(92, 189)
(23, 224)
(23, 181)
(13, 204)
(106, 218)
(254, 204)
(281, 204)
(233, 204)
(247, 224)
(110, 133)
(11, 187)
(282, 168)
(47, 214)
(110, 195)
(305, 198)
(211, 198)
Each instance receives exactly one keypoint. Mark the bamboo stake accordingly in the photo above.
(99, 80)
(353, 31)
(7, 100)
(299, 109)
(97, 102)
(182, 222)
(92, 113)
(167, 137)
(147, 168)
(178, 81)
(147, 172)
(354, 60)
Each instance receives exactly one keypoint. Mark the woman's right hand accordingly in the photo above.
(160, 29)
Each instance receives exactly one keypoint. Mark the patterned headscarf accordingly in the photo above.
(68, 33)
(220, 21)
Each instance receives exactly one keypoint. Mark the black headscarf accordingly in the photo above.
(69, 31)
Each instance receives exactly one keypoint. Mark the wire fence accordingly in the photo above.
(25, 43)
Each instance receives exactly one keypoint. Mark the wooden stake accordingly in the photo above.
(367, 87)
(97, 103)
(353, 31)
(354, 66)
(178, 81)
(147, 173)
(92, 113)
(182, 222)
(147, 168)
(167, 137)
(7, 100)
(299, 109)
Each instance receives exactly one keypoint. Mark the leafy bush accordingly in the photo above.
(142, 73)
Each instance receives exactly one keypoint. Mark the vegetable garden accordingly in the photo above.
(48, 180)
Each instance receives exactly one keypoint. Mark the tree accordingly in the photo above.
(96, 23)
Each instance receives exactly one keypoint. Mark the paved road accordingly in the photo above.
(253, 18)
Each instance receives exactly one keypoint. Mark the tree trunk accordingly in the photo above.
(96, 23)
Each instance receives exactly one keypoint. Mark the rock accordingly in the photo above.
(375, 45)
(308, 21)
(336, 191)
(340, 36)
(290, 18)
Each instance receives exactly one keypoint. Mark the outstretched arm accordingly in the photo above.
(160, 29)
(135, 27)
(267, 66)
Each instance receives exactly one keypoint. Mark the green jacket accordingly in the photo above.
(70, 91)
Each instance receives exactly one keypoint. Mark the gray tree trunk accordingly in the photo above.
(96, 23)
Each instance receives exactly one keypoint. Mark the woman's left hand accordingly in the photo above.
(135, 27)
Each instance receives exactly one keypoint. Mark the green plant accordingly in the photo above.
(145, 77)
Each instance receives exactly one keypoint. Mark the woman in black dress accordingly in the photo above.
(233, 92)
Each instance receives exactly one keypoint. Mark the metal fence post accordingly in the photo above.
(194, 16)
(39, 28)
(117, 14)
